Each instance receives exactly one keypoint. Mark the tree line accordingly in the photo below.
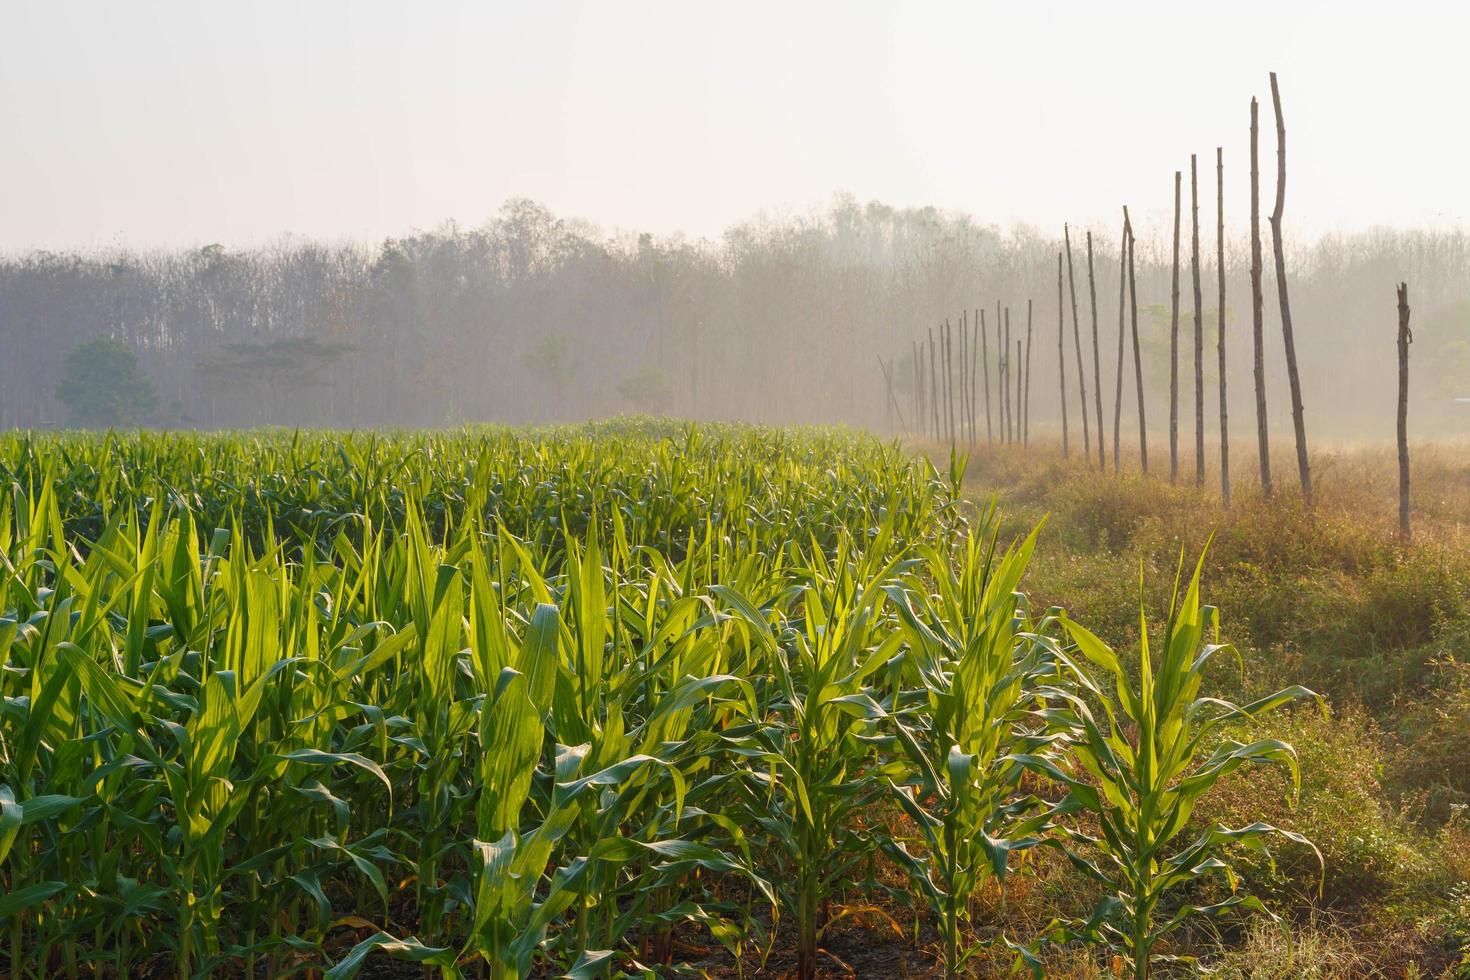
(533, 317)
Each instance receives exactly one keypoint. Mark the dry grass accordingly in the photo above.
(1329, 597)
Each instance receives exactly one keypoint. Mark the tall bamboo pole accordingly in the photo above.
(966, 359)
(1020, 384)
(949, 379)
(964, 375)
(1010, 416)
(943, 389)
(1298, 414)
(1026, 404)
(1062, 358)
(1000, 344)
(933, 385)
(1220, 323)
(1406, 337)
(892, 395)
(1102, 448)
(1077, 346)
(1263, 441)
(1199, 326)
(960, 383)
(974, 383)
(1001, 399)
(914, 373)
(1122, 330)
(1137, 357)
(1174, 349)
(985, 363)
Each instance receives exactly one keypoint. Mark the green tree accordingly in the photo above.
(551, 360)
(647, 390)
(103, 384)
(287, 366)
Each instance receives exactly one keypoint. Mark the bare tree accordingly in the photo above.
(1122, 329)
(1298, 419)
(1199, 326)
(1220, 323)
(1137, 356)
(1406, 337)
(1174, 348)
(1077, 345)
(1062, 359)
(1263, 440)
(1102, 449)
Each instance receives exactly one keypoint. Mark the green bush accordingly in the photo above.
(1371, 854)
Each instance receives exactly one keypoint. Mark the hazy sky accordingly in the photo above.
(196, 121)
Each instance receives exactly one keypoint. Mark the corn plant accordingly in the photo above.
(971, 724)
(1142, 773)
(522, 701)
(812, 756)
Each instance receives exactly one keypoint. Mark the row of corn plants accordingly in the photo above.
(514, 702)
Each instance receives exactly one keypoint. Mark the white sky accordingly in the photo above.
(194, 121)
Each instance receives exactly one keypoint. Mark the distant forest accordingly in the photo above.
(536, 318)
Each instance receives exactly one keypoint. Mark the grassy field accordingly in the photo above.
(648, 700)
(1328, 598)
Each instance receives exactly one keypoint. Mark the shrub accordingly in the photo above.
(1370, 853)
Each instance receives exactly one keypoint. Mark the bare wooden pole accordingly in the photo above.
(1001, 399)
(985, 363)
(1077, 346)
(1199, 326)
(1263, 441)
(966, 358)
(1122, 330)
(1298, 414)
(933, 385)
(923, 390)
(976, 334)
(887, 407)
(914, 371)
(1020, 384)
(1137, 357)
(949, 380)
(1102, 448)
(1406, 337)
(943, 389)
(964, 375)
(1001, 366)
(954, 395)
(1174, 349)
(1026, 403)
(1010, 416)
(892, 396)
(1220, 323)
(1062, 359)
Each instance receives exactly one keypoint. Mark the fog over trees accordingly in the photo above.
(534, 317)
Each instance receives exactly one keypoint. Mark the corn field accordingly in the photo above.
(509, 703)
